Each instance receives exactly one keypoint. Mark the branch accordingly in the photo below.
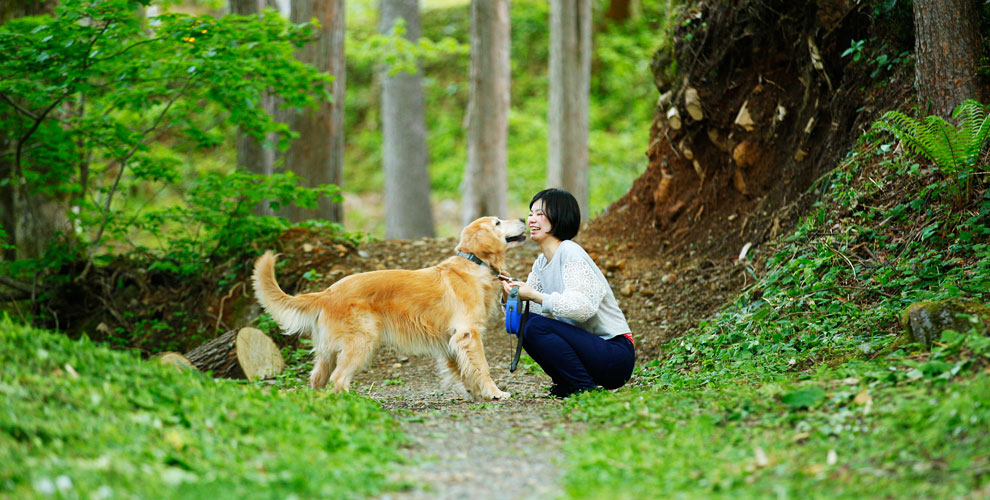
(26, 136)
(122, 162)
(126, 49)
(15, 284)
(17, 107)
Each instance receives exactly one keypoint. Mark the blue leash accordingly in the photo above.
(515, 322)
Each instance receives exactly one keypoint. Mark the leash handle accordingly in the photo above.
(515, 322)
(512, 311)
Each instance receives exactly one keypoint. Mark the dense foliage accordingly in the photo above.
(101, 109)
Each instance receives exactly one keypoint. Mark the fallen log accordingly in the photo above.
(245, 353)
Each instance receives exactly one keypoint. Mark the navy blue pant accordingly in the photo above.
(575, 359)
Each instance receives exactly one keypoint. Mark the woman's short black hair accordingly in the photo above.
(562, 211)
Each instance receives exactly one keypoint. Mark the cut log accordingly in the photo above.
(718, 141)
(176, 360)
(245, 353)
(693, 104)
(674, 118)
(664, 100)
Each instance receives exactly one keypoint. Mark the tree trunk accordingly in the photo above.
(947, 47)
(408, 212)
(10, 9)
(570, 77)
(251, 154)
(317, 155)
(31, 221)
(245, 353)
(619, 11)
(485, 183)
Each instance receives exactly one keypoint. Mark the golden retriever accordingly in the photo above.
(439, 310)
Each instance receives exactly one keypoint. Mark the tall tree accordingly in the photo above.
(408, 213)
(947, 48)
(251, 153)
(317, 155)
(29, 220)
(570, 77)
(485, 183)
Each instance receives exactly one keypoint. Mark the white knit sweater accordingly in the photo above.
(575, 291)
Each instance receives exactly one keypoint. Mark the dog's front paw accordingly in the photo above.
(501, 395)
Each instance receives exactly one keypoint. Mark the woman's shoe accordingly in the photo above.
(559, 391)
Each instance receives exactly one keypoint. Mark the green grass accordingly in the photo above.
(803, 387)
(80, 421)
(920, 440)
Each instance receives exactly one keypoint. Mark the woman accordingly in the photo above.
(575, 331)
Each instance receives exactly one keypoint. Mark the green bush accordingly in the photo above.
(103, 109)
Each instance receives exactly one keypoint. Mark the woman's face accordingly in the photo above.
(539, 224)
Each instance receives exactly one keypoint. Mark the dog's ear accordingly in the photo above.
(468, 237)
(483, 240)
(491, 245)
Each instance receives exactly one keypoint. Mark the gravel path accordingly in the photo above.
(471, 449)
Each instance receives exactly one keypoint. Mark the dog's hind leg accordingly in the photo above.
(450, 374)
(472, 366)
(354, 353)
(323, 365)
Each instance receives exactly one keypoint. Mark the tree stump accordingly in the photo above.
(245, 353)
(175, 359)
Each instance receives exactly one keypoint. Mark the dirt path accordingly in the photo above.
(471, 449)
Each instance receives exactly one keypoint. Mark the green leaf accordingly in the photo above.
(804, 398)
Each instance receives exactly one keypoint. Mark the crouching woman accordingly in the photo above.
(575, 331)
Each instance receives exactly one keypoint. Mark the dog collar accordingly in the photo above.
(474, 258)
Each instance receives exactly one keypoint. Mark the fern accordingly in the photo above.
(955, 150)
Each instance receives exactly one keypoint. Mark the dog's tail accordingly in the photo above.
(295, 314)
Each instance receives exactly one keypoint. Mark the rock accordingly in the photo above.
(627, 289)
(746, 154)
(924, 322)
(739, 182)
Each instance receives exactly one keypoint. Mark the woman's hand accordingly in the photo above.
(526, 292)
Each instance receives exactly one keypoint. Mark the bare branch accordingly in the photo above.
(15, 284)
